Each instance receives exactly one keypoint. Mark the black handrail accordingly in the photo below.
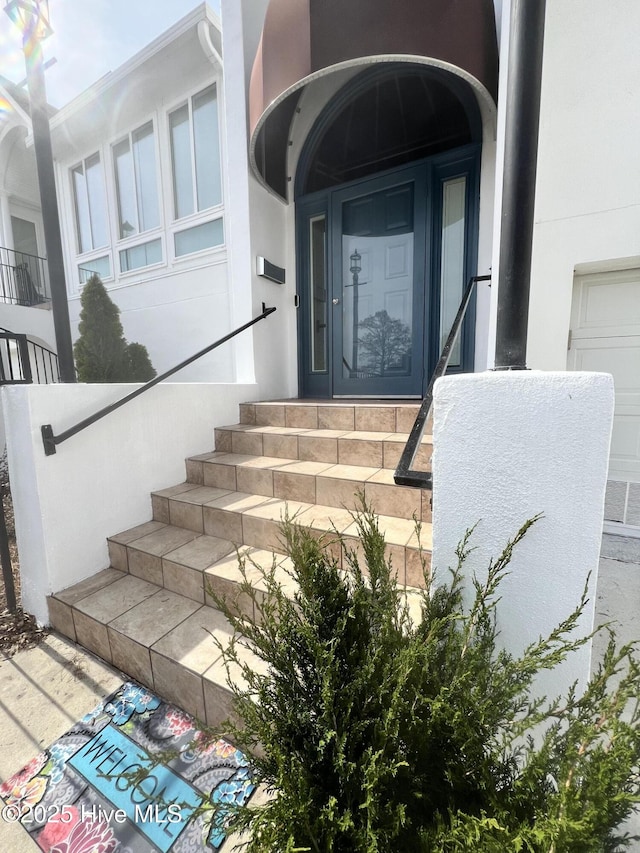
(50, 440)
(405, 475)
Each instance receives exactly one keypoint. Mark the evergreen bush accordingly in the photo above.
(101, 352)
(377, 730)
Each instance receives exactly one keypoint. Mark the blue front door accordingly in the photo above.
(380, 264)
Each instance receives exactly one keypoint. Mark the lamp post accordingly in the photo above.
(32, 19)
(355, 269)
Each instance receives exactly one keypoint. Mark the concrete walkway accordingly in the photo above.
(45, 690)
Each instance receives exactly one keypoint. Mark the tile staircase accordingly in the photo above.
(150, 613)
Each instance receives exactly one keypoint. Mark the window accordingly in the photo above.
(90, 205)
(195, 154)
(141, 256)
(136, 182)
(99, 266)
(199, 237)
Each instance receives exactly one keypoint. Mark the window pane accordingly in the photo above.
(141, 256)
(144, 154)
(97, 202)
(181, 162)
(83, 224)
(207, 148)
(452, 272)
(200, 237)
(317, 251)
(101, 266)
(127, 219)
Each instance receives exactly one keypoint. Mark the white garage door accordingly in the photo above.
(605, 336)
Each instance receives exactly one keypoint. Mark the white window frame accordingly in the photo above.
(198, 217)
(95, 250)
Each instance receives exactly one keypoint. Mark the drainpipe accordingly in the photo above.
(524, 82)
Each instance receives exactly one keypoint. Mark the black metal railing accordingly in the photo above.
(23, 361)
(51, 440)
(23, 278)
(405, 474)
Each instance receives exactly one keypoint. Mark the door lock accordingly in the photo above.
(336, 301)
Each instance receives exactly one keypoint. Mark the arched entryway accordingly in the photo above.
(385, 183)
(386, 207)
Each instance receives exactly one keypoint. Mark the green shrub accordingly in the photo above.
(378, 731)
(101, 352)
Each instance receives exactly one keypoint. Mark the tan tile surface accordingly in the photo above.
(164, 540)
(336, 417)
(191, 643)
(200, 553)
(150, 620)
(172, 491)
(131, 657)
(92, 634)
(176, 684)
(61, 617)
(116, 598)
(87, 587)
(382, 418)
(136, 532)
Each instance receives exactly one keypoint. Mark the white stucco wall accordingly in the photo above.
(508, 446)
(587, 200)
(98, 482)
(258, 222)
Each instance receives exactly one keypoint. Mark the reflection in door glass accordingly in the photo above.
(377, 284)
(318, 337)
(452, 269)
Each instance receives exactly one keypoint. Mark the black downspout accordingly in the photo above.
(524, 82)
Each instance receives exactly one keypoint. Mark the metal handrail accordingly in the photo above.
(50, 440)
(404, 474)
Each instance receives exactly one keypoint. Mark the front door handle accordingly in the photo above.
(336, 301)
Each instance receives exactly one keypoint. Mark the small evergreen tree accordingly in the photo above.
(381, 730)
(101, 352)
(140, 367)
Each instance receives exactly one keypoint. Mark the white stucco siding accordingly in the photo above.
(587, 198)
(508, 446)
(174, 314)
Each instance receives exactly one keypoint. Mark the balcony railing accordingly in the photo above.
(23, 361)
(24, 278)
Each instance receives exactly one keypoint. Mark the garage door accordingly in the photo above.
(605, 337)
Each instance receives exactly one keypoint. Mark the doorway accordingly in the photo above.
(386, 238)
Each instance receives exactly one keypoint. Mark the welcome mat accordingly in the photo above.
(100, 786)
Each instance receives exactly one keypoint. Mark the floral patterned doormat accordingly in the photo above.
(129, 778)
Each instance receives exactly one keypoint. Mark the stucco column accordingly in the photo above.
(508, 446)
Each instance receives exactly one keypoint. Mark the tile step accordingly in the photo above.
(181, 559)
(160, 638)
(376, 415)
(289, 479)
(376, 449)
(165, 640)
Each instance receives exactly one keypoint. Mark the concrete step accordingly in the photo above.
(290, 479)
